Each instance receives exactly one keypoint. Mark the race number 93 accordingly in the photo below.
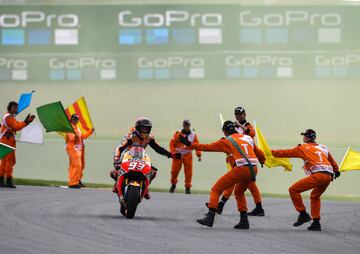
(136, 165)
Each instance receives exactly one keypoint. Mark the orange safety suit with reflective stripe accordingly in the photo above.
(74, 149)
(254, 190)
(186, 157)
(240, 174)
(319, 165)
(9, 126)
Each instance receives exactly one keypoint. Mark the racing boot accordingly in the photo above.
(76, 186)
(172, 188)
(303, 218)
(315, 225)
(147, 195)
(81, 185)
(115, 188)
(187, 191)
(2, 183)
(9, 183)
(221, 205)
(258, 210)
(244, 222)
(209, 218)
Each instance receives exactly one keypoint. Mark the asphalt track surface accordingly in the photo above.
(54, 220)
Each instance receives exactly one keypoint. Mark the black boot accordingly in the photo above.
(2, 183)
(221, 205)
(172, 188)
(9, 183)
(315, 225)
(209, 218)
(258, 210)
(76, 186)
(303, 218)
(244, 222)
(187, 191)
(81, 185)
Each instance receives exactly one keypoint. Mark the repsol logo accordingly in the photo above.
(169, 18)
(26, 18)
(288, 18)
(345, 60)
(171, 61)
(78, 63)
(13, 63)
(236, 61)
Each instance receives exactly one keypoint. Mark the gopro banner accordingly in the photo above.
(177, 42)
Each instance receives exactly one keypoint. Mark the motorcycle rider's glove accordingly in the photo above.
(176, 156)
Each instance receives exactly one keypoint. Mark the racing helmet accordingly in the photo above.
(143, 126)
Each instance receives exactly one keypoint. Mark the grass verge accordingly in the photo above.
(51, 183)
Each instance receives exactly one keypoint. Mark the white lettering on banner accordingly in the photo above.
(171, 61)
(56, 63)
(170, 17)
(288, 18)
(234, 61)
(27, 18)
(344, 60)
(13, 63)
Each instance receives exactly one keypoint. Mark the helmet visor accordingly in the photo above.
(144, 129)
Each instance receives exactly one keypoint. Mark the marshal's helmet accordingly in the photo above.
(229, 127)
(143, 126)
(309, 133)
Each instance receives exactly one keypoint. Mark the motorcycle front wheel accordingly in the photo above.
(132, 201)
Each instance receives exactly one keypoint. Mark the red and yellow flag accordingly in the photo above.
(80, 108)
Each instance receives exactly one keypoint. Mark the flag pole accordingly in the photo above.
(347, 151)
(221, 119)
(13, 148)
(256, 132)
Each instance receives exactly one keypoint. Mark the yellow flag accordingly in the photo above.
(271, 161)
(351, 160)
(80, 108)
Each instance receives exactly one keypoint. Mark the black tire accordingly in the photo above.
(132, 201)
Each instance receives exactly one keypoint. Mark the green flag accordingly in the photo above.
(5, 149)
(53, 118)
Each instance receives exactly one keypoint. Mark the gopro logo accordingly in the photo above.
(288, 18)
(169, 18)
(233, 61)
(322, 60)
(56, 63)
(27, 18)
(171, 61)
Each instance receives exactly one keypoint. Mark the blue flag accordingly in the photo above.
(24, 101)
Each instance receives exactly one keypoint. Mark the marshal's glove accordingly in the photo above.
(184, 140)
(29, 118)
(337, 174)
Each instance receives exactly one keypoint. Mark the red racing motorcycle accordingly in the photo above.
(133, 177)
